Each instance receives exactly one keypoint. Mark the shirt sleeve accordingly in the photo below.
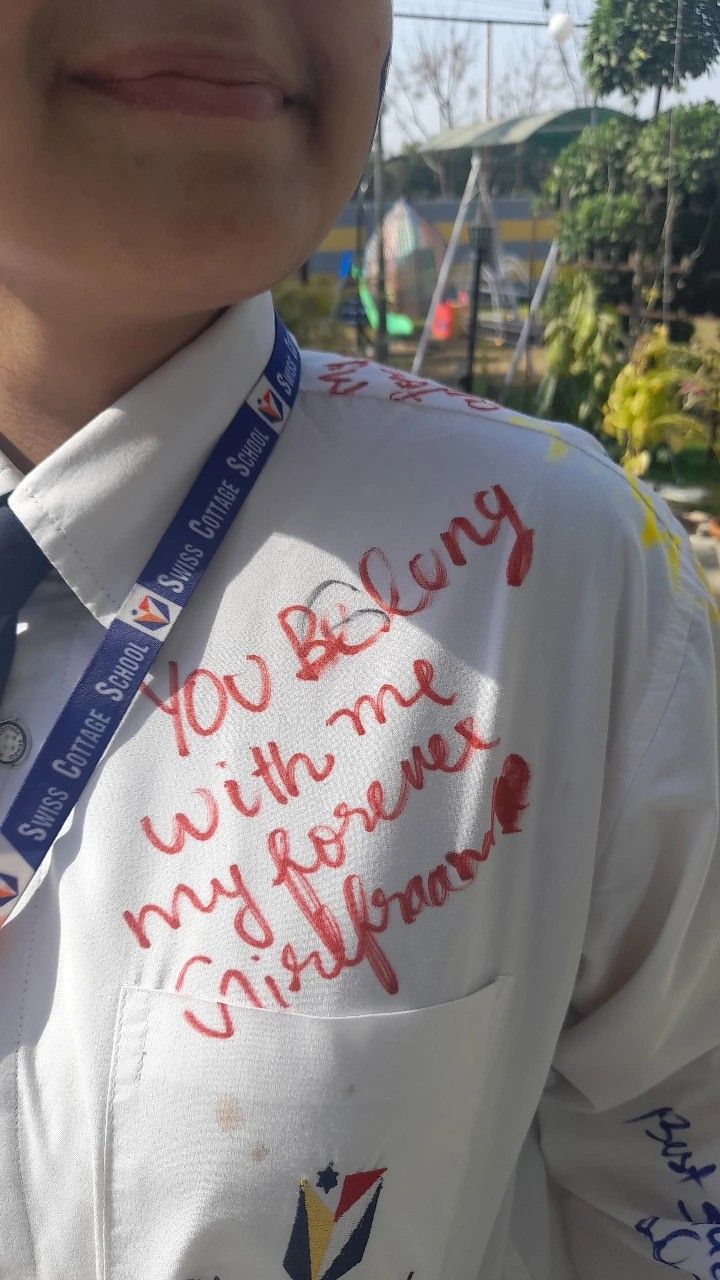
(630, 1119)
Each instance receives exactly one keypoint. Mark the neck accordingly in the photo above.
(59, 372)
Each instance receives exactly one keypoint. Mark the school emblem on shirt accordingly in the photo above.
(149, 613)
(268, 405)
(333, 1223)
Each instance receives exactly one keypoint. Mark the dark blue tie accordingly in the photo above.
(22, 568)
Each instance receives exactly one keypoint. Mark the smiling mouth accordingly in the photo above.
(191, 83)
(186, 96)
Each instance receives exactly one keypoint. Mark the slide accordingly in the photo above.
(398, 326)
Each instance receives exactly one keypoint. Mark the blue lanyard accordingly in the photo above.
(96, 708)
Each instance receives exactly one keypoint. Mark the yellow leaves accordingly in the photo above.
(637, 464)
(648, 403)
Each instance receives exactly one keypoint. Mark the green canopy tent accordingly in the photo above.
(549, 131)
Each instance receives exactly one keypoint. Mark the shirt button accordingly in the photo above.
(14, 742)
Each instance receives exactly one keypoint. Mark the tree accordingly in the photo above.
(696, 152)
(613, 182)
(533, 82)
(630, 45)
(408, 175)
(594, 163)
(435, 87)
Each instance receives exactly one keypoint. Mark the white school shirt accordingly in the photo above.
(393, 906)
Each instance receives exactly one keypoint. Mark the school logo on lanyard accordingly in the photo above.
(153, 614)
(269, 406)
(8, 888)
(332, 1230)
(84, 728)
(148, 612)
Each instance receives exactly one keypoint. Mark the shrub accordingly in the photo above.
(307, 310)
(648, 406)
(584, 353)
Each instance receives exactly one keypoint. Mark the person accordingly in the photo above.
(359, 742)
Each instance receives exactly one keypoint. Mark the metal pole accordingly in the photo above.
(498, 22)
(467, 380)
(359, 222)
(381, 339)
(538, 298)
(488, 70)
(470, 190)
(672, 200)
(498, 291)
(359, 256)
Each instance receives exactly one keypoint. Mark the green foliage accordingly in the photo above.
(625, 157)
(612, 185)
(702, 394)
(630, 45)
(307, 311)
(408, 175)
(696, 159)
(596, 162)
(649, 402)
(584, 353)
(605, 225)
(590, 181)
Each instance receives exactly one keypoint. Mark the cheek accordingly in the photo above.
(28, 192)
(350, 40)
(353, 45)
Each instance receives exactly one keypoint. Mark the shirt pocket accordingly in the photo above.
(308, 1147)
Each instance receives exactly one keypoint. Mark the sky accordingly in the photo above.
(509, 46)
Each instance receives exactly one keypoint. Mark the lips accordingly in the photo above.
(190, 82)
(194, 97)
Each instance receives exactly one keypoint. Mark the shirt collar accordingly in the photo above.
(10, 477)
(100, 503)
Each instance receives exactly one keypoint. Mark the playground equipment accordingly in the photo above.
(398, 326)
(414, 252)
(483, 142)
(355, 305)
